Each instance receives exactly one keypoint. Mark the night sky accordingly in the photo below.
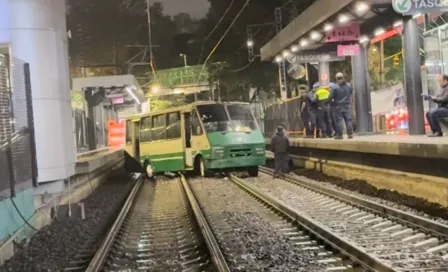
(196, 8)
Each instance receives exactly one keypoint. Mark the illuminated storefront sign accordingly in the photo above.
(412, 7)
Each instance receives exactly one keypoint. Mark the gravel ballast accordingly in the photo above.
(361, 188)
(249, 234)
(52, 247)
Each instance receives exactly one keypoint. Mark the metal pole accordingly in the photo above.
(382, 72)
(69, 197)
(413, 77)
(185, 60)
(148, 11)
(362, 93)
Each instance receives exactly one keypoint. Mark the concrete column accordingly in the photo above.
(363, 105)
(413, 77)
(38, 34)
(312, 75)
(324, 73)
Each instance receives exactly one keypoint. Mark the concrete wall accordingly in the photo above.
(432, 188)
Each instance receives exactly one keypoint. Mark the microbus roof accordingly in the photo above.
(181, 108)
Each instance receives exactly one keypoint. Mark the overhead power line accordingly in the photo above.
(213, 30)
(222, 38)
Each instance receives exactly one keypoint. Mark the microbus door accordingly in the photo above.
(136, 137)
(188, 152)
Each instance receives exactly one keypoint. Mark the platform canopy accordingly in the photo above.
(307, 32)
(117, 87)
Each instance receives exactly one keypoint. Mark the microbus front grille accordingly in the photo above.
(246, 152)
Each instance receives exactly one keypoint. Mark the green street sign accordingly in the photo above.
(412, 7)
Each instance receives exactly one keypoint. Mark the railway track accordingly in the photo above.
(241, 225)
(156, 231)
(382, 237)
(162, 227)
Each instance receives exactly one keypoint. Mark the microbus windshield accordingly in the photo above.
(237, 118)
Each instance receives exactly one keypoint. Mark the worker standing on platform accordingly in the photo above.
(341, 98)
(433, 116)
(332, 110)
(307, 117)
(280, 147)
(323, 110)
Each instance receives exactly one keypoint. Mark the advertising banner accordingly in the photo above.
(388, 99)
(116, 133)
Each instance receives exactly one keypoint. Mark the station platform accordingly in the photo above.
(91, 161)
(413, 165)
(398, 145)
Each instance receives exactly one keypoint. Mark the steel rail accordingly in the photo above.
(323, 233)
(100, 256)
(212, 245)
(436, 229)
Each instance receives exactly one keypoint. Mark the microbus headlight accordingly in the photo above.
(259, 151)
(218, 153)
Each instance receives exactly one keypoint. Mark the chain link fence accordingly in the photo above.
(17, 147)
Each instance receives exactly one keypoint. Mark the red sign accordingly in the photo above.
(343, 33)
(348, 50)
(116, 133)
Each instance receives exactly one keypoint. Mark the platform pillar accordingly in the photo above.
(324, 73)
(39, 37)
(361, 90)
(413, 77)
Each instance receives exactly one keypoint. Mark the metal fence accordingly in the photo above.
(17, 148)
(286, 114)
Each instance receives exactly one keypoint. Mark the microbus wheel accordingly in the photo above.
(148, 170)
(253, 171)
(202, 170)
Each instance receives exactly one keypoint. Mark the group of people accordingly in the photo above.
(327, 108)
(324, 108)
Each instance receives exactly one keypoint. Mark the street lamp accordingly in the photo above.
(250, 43)
(185, 59)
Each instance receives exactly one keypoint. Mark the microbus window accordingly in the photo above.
(241, 116)
(173, 125)
(214, 118)
(128, 132)
(195, 124)
(145, 130)
(158, 131)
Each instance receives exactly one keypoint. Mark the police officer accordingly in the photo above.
(280, 146)
(323, 111)
(332, 110)
(308, 119)
(341, 98)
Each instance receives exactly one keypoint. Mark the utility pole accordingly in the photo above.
(281, 66)
(282, 79)
(151, 55)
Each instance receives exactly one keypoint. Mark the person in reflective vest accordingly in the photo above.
(323, 111)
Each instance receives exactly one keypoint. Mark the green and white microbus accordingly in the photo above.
(202, 137)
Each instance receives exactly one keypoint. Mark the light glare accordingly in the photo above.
(343, 18)
(328, 27)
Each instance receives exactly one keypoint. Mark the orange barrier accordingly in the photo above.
(116, 133)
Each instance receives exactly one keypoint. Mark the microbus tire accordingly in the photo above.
(149, 171)
(253, 171)
(199, 167)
